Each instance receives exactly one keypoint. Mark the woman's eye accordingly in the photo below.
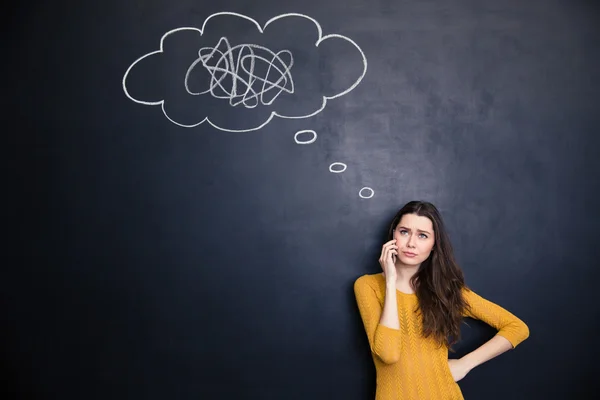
(424, 236)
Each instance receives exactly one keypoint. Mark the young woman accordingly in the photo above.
(413, 310)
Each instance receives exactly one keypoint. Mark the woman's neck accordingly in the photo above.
(404, 273)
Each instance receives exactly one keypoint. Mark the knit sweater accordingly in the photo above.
(409, 366)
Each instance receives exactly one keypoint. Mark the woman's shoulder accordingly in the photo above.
(374, 281)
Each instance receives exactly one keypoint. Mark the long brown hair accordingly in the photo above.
(439, 282)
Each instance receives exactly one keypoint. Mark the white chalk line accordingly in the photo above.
(336, 164)
(261, 30)
(360, 193)
(228, 67)
(314, 136)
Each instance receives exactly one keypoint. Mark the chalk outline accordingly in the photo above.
(337, 171)
(305, 141)
(261, 30)
(366, 197)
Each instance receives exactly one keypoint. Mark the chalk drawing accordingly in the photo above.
(368, 190)
(223, 65)
(233, 76)
(314, 137)
(242, 90)
(332, 167)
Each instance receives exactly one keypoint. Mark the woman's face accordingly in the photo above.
(415, 239)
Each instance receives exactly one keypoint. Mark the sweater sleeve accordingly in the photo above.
(384, 341)
(507, 324)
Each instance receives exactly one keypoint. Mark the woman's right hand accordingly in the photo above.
(387, 260)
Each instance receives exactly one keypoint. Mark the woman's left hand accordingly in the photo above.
(458, 369)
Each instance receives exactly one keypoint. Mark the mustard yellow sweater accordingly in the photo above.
(409, 366)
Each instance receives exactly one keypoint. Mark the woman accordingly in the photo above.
(413, 310)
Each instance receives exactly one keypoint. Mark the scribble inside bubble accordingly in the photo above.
(234, 73)
(366, 193)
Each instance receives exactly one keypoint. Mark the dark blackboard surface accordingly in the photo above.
(150, 261)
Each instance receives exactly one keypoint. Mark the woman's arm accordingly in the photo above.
(490, 349)
(389, 316)
(381, 325)
(511, 330)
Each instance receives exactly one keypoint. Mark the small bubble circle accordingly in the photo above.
(369, 193)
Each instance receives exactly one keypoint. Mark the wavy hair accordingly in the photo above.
(439, 282)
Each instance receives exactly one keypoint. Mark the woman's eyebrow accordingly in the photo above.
(420, 230)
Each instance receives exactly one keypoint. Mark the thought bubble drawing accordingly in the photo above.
(233, 71)
(242, 75)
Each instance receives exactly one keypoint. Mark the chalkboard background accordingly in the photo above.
(151, 261)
